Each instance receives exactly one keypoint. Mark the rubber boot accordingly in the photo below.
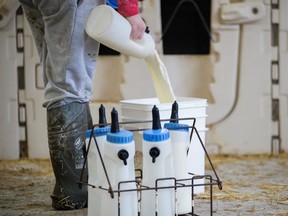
(66, 138)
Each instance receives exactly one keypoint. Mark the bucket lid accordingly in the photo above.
(146, 104)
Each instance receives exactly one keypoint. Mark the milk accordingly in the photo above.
(160, 78)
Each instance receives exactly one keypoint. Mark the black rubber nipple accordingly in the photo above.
(102, 116)
(114, 121)
(156, 118)
(174, 113)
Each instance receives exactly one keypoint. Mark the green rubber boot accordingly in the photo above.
(66, 138)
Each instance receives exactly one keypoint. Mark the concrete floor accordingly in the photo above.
(252, 185)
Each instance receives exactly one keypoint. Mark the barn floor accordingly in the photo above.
(252, 185)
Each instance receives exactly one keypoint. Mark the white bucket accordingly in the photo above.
(196, 159)
(140, 110)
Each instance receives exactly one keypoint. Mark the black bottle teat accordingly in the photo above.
(156, 118)
(102, 116)
(174, 113)
(114, 121)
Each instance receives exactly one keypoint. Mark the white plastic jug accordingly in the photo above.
(108, 27)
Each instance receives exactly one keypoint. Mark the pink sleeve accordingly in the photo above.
(128, 7)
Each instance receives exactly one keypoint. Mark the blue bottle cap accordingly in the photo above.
(176, 126)
(121, 137)
(156, 135)
(88, 133)
(101, 131)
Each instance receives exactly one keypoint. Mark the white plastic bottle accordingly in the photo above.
(180, 138)
(108, 27)
(118, 155)
(157, 163)
(95, 168)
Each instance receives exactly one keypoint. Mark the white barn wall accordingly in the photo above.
(237, 71)
(9, 130)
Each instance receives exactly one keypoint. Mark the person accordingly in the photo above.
(68, 57)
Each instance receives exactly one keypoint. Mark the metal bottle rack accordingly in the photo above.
(209, 181)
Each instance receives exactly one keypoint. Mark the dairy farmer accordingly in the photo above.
(68, 57)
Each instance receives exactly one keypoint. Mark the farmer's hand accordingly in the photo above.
(138, 26)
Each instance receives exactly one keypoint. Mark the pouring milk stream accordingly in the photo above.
(108, 27)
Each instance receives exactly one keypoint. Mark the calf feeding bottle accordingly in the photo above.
(157, 163)
(95, 168)
(180, 139)
(118, 155)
